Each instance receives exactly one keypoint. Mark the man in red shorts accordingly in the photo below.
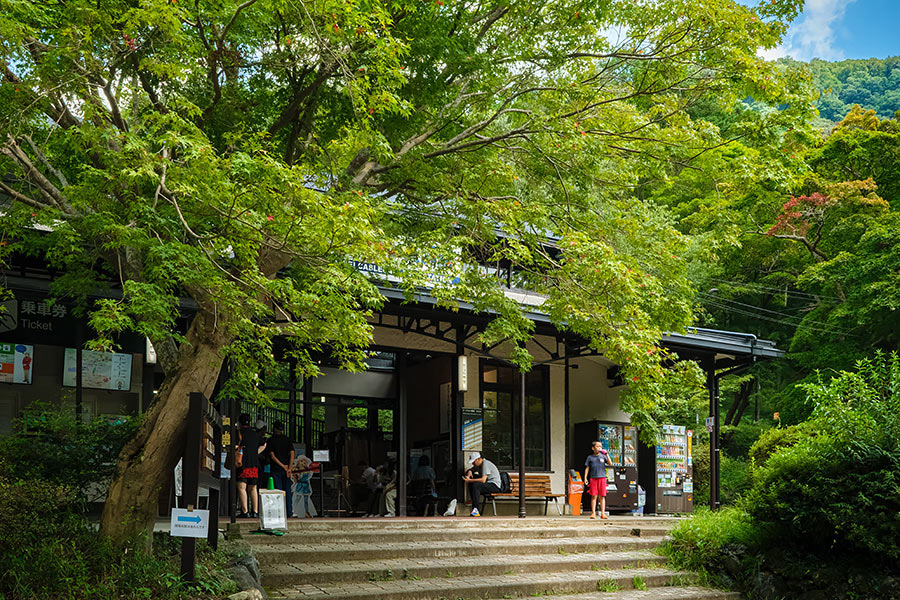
(595, 475)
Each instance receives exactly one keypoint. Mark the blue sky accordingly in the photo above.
(839, 29)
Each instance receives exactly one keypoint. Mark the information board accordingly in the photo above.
(272, 510)
(472, 429)
(16, 363)
(99, 370)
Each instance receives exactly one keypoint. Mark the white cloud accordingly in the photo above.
(813, 36)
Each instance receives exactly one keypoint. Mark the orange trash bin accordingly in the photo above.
(576, 489)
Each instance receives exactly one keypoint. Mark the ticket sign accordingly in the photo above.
(189, 523)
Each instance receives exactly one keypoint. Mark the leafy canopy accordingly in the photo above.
(243, 154)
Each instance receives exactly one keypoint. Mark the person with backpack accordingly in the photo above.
(595, 474)
(489, 482)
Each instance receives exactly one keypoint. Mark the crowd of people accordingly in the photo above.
(274, 458)
(260, 458)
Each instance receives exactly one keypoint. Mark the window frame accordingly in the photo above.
(514, 389)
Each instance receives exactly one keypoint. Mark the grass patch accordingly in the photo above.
(608, 585)
(638, 583)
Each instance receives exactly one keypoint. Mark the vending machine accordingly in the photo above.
(669, 483)
(621, 443)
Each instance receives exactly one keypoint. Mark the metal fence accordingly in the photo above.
(270, 414)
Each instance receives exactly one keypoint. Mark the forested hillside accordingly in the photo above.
(873, 83)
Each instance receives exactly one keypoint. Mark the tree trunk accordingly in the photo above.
(146, 462)
(746, 389)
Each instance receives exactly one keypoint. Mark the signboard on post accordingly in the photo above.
(710, 424)
(272, 510)
(472, 428)
(189, 523)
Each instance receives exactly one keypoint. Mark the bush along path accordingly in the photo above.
(821, 518)
(487, 558)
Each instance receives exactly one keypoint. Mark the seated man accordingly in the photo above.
(489, 482)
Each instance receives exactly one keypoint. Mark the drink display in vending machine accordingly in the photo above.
(620, 440)
(673, 481)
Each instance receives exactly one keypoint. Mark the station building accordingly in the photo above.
(431, 388)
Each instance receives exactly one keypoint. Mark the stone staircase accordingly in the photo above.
(569, 558)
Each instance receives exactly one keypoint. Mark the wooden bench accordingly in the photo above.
(537, 485)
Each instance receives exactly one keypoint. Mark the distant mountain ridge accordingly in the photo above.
(872, 83)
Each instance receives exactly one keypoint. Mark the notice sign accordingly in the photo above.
(192, 524)
(710, 424)
(100, 370)
(15, 363)
(472, 429)
(272, 510)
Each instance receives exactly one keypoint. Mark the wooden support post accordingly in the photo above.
(190, 472)
(212, 536)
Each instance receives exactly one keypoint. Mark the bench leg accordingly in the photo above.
(556, 502)
(494, 503)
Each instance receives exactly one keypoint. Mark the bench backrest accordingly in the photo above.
(535, 484)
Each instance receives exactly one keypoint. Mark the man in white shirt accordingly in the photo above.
(370, 478)
(489, 482)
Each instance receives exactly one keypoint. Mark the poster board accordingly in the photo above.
(272, 510)
(472, 429)
(99, 370)
(16, 363)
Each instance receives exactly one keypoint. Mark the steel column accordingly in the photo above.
(402, 438)
(522, 450)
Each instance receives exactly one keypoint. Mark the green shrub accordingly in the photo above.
(698, 543)
(59, 555)
(825, 503)
(823, 511)
(734, 479)
(53, 445)
(839, 489)
(775, 439)
(50, 550)
(700, 457)
(737, 440)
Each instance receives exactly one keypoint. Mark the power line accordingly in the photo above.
(774, 312)
(760, 286)
(727, 308)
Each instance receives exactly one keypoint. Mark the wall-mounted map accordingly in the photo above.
(100, 370)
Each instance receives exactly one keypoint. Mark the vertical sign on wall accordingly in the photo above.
(472, 428)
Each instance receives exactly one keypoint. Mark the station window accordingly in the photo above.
(500, 400)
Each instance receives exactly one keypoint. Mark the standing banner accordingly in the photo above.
(272, 510)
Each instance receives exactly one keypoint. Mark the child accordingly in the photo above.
(302, 491)
(595, 475)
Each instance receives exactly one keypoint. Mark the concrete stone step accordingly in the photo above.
(656, 593)
(281, 575)
(446, 523)
(502, 586)
(278, 553)
(487, 531)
